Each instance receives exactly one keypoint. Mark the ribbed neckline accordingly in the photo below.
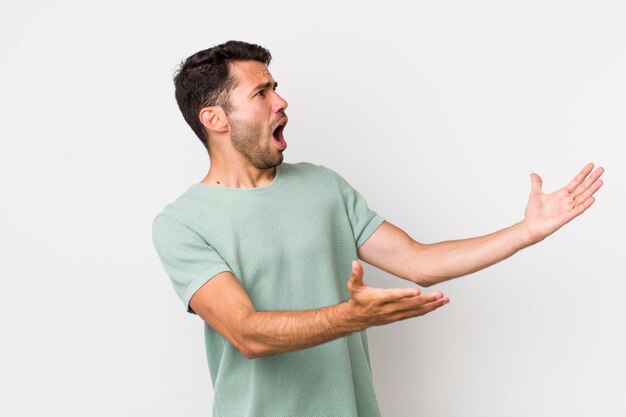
(266, 188)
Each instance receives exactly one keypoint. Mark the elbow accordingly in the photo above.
(242, 341)
(252, 351)
(421, 280)
(248, 354)
(417, 272)
(246, 349)
(253, 344)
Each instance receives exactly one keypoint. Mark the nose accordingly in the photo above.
(280, 104)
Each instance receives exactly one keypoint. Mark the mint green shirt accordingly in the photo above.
(290, 244)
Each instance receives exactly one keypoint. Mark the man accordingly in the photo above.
(265, 251)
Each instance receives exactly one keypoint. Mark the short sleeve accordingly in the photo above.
(363, 220)
(187, 258)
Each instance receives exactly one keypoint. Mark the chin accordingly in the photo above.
(270, 164)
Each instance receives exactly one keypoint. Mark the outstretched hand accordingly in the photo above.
(547, 213)
(377, 306)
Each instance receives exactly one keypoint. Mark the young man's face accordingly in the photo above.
(257, 118)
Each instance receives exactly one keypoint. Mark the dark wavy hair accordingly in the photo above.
(204, 79)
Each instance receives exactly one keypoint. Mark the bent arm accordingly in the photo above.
(223, 304)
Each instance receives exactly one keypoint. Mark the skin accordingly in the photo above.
(244, 155)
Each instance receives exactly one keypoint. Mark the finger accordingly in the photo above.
(417, 302)
(585, 205)
(536, 183)
(429, 298)
(588, 192)
(434, 305)
(582, 207)
(578, 179)
(356, 276)
(396, 294)
(578, 210)
(421, 310)
(595, 175)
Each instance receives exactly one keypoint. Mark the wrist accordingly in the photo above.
(347, 319)
(525, 236)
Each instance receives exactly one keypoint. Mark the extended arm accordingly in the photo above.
(394, 251)
(223, 303)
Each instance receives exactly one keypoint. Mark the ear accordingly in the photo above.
(213, 119)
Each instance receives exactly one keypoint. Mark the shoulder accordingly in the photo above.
(307, 169)
(318, 173)
(178, 212)
(313, 175)
(166, 227)
(302, 167)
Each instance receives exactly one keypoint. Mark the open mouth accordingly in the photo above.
(278, 135)
(278, 132)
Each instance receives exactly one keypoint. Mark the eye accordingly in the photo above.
(261, 93)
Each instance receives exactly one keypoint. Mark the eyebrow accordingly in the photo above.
(264, 86)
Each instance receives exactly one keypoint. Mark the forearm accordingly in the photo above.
(225, 306)
(442, 261)
(271, 332)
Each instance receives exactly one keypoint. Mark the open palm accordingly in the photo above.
(546, 213)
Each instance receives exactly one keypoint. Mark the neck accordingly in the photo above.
(237, 174)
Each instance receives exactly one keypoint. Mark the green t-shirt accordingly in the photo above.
(290, 244)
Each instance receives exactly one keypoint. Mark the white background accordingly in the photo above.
(435, 111)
